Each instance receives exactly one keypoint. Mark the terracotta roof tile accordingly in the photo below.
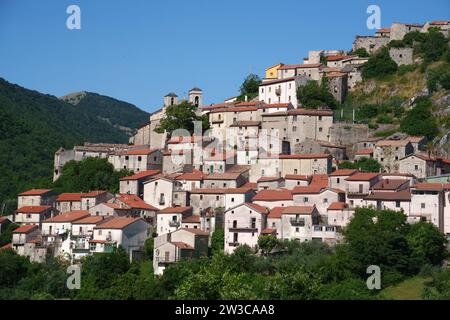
(69, 216)
(73, 197)
(363, 176)
(141, 152)
(343, 172)
(301, 210)
(175, 210)
(337, 206)
(364, 151)
(117, 223)
(181, 245)
(33, 209)
(273, 195)
(35, 192)
(275, 213)
(196, 231)
(26, 229)
(140, 175)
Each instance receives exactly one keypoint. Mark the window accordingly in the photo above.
(139, 158)
(305, 199)
(201, 197)
(320, 129)
(28, 216)
(416, 167)
(295, 171)
(217, 198)
(232, 199)
(99, 232)
(294, 129)
(338, 180)
(253, 223)
(397, 204)
(126, 157)
(234, 223)
(297, 229)
(422, 205)
(325, 200)
(320, 118)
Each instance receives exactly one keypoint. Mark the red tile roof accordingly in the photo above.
(300, 66)
(93, 194)
(69, 197)
(33, 209)
(363, 176)
(140, 152)
(223, 176)
(311, 189)
(35, 192)
(337, 206)
(257, 207)
(91, 220)
(191, 219)
(429, 186)
(384, 30)
(6, 246)
(195, 175)
(298, 210)
(269, 179)
(25, 229)
(269, 231)
(195, 231)
(184, 139)
(182, 245)
(295, 156)
(319, 180)
(275, 213)
(135, 202)
(69, 216)
(297, 177)
(364, 151)
(175, 210)
(234, 109)
(273, 195)
(140, 175)
(117, 223)
(343, 172)
(339, 57)
(275, 105)
(389, 184)
(403, 195)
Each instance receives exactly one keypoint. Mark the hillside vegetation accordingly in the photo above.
(32, 127)
(122, 115)
(414, 99)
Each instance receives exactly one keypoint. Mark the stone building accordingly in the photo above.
(401, 56)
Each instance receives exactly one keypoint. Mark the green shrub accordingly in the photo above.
(384, 119)
(379, 65)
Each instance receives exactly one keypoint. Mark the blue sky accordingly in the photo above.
(138, 51)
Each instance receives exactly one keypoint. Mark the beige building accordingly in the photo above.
(389, 152)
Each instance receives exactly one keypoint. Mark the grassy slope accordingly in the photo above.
(410, 289)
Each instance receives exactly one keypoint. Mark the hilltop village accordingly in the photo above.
(267, 166)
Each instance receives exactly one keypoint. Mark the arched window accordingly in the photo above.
(196, 101)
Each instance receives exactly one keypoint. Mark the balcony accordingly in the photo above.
(243, 229)
(174, 224)
(297, 222)
(162, 261)
(233, 244)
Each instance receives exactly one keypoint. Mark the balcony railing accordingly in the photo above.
(297, 222)
(175, 224)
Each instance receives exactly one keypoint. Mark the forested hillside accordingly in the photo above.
(32, 127)
(122, 115)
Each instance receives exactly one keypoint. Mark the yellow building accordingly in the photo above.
(272, 71)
